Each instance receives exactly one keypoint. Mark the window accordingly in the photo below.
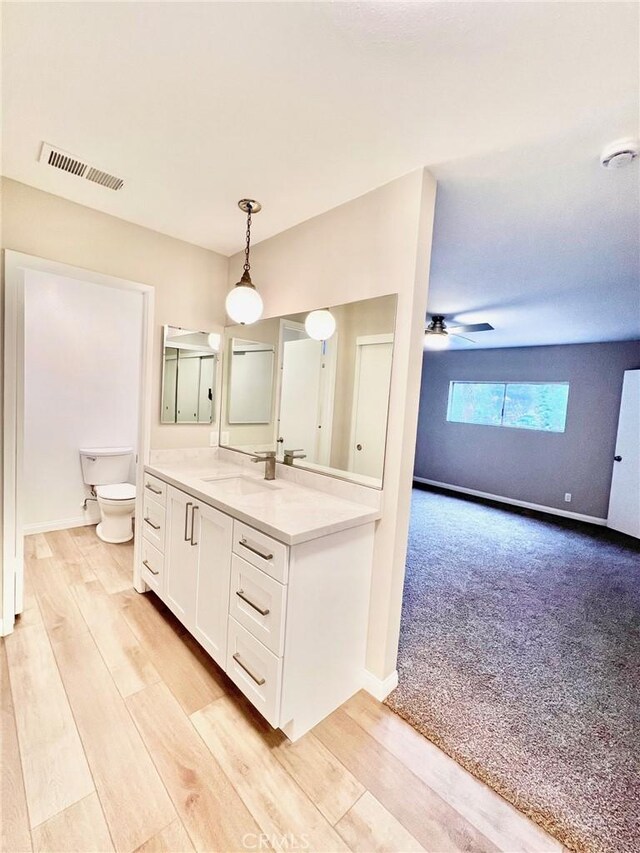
(524, 405)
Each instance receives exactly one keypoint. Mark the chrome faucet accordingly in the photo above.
(291, 455)
(269, 458)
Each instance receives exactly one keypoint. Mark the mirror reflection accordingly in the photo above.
(326, 405)
(250, 382)
(189, 369)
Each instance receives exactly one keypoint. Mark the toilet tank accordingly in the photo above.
(102, 466)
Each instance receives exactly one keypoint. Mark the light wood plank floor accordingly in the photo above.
(119, 733)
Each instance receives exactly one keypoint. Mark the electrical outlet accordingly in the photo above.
(567, 497)
(213, 438)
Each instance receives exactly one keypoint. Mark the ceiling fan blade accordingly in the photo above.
(462, 337)
(474, 327)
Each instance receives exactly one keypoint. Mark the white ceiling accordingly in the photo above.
(306, 105)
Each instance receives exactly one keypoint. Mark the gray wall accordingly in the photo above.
(538, 467)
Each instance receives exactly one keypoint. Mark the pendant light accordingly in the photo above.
(320, 325)
(244, 303)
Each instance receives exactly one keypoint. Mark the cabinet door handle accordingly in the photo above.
(193, 521)
(146, 564)
(257, 551)
(258, 680)
(151, 524)
(262, 611)
(186, 521)
(151, 489)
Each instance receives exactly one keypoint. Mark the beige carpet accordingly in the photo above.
(520, 658)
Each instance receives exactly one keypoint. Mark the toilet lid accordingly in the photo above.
(117, 492)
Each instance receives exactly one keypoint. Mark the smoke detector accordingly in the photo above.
(77, 166)
(619, 153)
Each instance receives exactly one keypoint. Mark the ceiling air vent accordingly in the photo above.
(67, 163)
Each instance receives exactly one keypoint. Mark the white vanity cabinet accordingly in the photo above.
(197, 569)
(287, 623)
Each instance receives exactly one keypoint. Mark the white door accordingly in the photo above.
(188, 386)
(370, 405)
(205, 393)
(624, 502)
(213, 532)
(181, 554)
(300, 396)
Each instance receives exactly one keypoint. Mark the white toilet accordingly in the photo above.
(106, 469)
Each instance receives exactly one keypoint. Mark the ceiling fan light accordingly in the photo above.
(436, 340)
(320, 325)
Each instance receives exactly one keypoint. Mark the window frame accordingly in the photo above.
(505, 384)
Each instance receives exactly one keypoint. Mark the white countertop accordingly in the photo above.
(287, 511)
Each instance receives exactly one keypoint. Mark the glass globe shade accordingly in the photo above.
(320, 325)
(244, 304)
(436, 341)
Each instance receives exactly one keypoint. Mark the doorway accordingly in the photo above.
(21, 272)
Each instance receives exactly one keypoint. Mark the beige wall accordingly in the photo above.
(190, 282)
(374, 245)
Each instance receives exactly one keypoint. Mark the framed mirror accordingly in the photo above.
(189, 375)
(326, 400)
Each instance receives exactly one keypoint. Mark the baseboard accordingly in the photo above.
(551, 510)
(377, 687)
(60, 524)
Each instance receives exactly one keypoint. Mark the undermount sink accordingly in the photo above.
(239, 485)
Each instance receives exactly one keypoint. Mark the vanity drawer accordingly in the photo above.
(257, 602)
(261, 550)
(255, 670)
(152, 566)
(155, 489)
(153, 522)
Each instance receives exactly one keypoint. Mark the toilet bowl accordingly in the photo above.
(104, 469)
(117, 503)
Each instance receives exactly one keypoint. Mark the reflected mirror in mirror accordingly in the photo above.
(250, 382)
(328, 400)
(189, 370)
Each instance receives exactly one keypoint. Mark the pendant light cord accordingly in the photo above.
(247, 265)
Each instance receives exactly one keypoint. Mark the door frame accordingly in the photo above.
(362, 341)
(16, 266)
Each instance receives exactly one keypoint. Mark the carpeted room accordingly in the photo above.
(520, 636)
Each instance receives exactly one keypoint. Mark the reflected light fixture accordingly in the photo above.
(320, 325)
(213, 340)
(436, 335)
(244, 303)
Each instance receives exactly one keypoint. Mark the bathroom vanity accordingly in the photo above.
(271, 578)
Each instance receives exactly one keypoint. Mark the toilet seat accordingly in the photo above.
(116, 492)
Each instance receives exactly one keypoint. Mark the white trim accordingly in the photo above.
(551, 510)
(15, 266)
(59, 524)
(377, 687)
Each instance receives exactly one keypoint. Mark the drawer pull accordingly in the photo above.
(259, 681)
(151, 524)
(146, 565)
(262, 611)
(257, 551)
(193, 521)
(186, 520)
(151, 489)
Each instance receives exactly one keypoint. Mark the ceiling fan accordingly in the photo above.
(437, 333)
